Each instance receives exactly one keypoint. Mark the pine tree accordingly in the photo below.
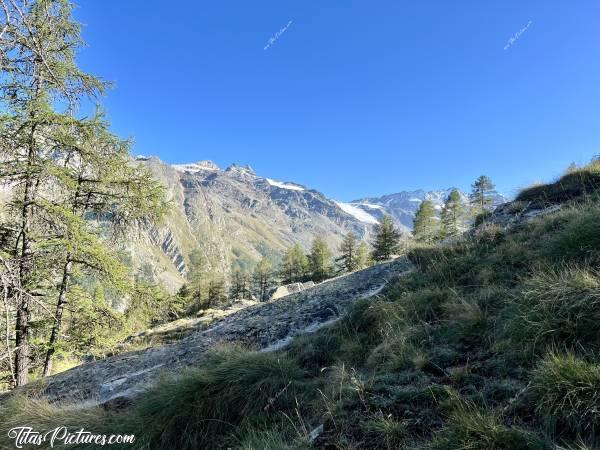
(387, 240)
(294, 265)
(426, 225)
(320, 261)
(349, 250)
(263, 278)
(452, 214)
(482, 193)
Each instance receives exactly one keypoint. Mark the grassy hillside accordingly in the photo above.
(492, 343)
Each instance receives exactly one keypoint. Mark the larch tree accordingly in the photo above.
(425, 223)
(320, 260)
(56, 163)
(294, 265)
(363, 256)
(387, 239)
(349, 252)
(263, 278)
(452, 214)
(239, 287)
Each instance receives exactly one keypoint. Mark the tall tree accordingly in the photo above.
(452, 214)
(97, 181)
(425, 223)
(387, 239)
(37, 51)
(348, 251)
(239, 288)
(363, 256)
(294, 265)
(263, 278)
(320, 260)
(482, 193)
(63, 168)
(217, 295)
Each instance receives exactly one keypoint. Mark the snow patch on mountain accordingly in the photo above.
(357, 213)
(196, 167)
(279, 184)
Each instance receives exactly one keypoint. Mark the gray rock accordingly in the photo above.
(267, 327)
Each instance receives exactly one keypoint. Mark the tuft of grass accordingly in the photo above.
(566, 393)
(471, 428)
(255, 439)
(20, 410)
(205, 407)
(385, 433)
(559, 306)
(573, 185)
(580, 237)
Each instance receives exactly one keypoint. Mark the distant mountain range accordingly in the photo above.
(233, 217)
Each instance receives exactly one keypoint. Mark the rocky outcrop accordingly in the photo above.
(266, 326)
(288, 289)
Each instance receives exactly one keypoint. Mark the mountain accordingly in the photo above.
(402, 206)
(233, 217)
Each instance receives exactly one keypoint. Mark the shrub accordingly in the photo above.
(566, 393)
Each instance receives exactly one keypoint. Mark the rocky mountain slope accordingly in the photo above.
(233, 217)
(266, 326)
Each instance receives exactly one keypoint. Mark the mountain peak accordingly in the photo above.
(247, 170)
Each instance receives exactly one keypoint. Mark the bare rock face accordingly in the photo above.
(266, 326)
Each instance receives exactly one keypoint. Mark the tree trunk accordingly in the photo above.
(25, 267)
(60, 307)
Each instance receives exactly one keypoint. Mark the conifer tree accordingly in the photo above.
(263, 278)
(349, 250)
(426, 225)
(55, 159)
(239, 288)
(452, 214)
(320, 261)
(363, 256)
(294, 265)
(217, 295)
(482, 192)
(387, 240)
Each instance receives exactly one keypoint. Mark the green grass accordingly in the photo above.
(566, 393)
(492, 343)
(572, 185)
(470, 428)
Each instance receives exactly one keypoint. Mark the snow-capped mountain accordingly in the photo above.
(233, 217)
(402, 206)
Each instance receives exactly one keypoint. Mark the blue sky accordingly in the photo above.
(355, 98)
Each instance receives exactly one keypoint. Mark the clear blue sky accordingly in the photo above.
(355, 98)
